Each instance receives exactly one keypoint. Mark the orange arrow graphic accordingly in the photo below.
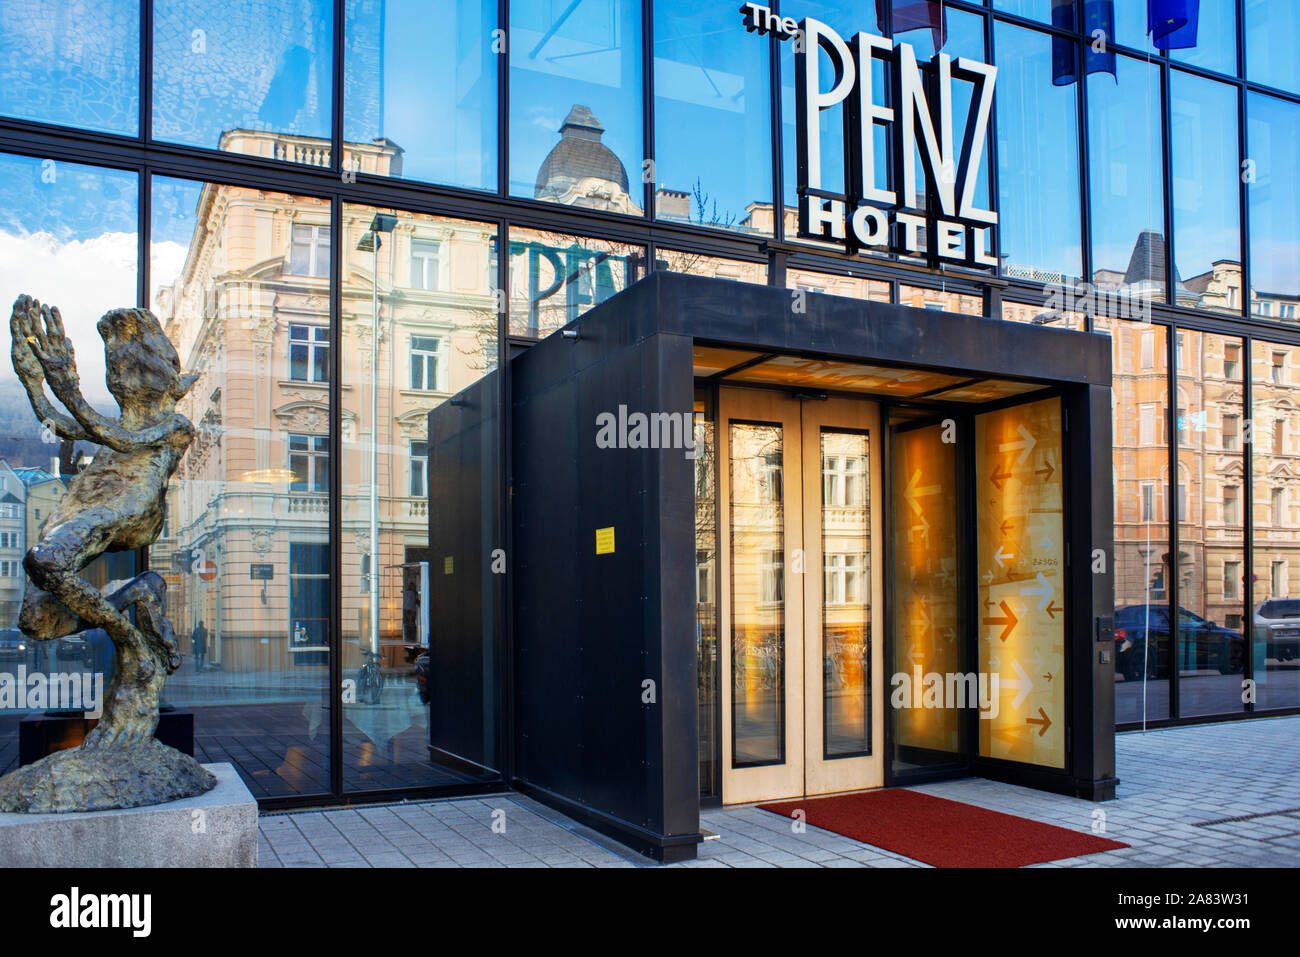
(1045, 722)
(1000, 475)
(1006, 526)
(1048, 469)
(1009, 620)
(1052, 609)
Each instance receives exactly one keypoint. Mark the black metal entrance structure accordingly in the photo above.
(605, 720)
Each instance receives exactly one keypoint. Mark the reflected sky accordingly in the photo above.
(68, 235)
(76, 69)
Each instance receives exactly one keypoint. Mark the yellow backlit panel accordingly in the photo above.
(710, 360)
(1021, 585)
(844, 376)
(986, 391)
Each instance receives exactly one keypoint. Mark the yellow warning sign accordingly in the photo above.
(605, 541)
(448, 565)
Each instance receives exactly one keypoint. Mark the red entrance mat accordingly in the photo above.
(941, 832)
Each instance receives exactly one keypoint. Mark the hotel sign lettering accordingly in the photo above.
(948, 228)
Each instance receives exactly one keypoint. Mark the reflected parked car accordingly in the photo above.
(1277, 627)
(1213, 646)
(13, 645)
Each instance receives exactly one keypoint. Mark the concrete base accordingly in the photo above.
(216, 829)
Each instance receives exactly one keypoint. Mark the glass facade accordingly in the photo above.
(336, 251)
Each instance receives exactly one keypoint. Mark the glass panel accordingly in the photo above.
(406, 350)
(250, 501)
(757, 594)
(400, 50)
(49, 236)
(1213, 42)
(1271, 29)
(1021, 589)
(940, 300)
(1273, 129)
(846, 17)
(1140, 450)
(698, 264)
(851, 287)
(75, 64)
(713, 125)
(925, 581)
(1207, 236)
(575, 103)
(846, 593)
(1059, 13)
(556, 277)
(233, 75)
(1127, 195)
(706, 588)
(1038, 165)
(1211, 523)
(1275, 376)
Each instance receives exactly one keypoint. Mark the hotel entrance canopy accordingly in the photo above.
(641, 676)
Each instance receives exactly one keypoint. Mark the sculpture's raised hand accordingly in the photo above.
(26, 312)
(45, 337)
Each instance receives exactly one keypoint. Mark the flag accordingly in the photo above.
(917, 15)
(1172, 23)
(1097, 57)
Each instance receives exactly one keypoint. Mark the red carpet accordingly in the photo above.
(941, 832)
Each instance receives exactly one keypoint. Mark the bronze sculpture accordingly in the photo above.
(115, 504)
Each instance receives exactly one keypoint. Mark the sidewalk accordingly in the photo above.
(1220, 795)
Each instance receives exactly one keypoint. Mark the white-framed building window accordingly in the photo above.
(1231, 510)
(9, 510)
(1148, 500)
(309, 250)
(10, 568)
(309, 353)
(10, 540)
(1277, 579)
(427, 364)
(1232, 579)
(1148, 349)
(703, 576)
(844, 578)
(1147, 423)
(419, 469)
(844, 480)
(773, 577)
(1279, 506)
(309, 462)
(1231, 432)
(426, 262)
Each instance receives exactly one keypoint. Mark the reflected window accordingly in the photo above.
(309, 353)
(70, 63)
(425, 353)
(309, 251)
(419, 469)
(397, 52)
(241, 76)
(309, 462)
(426, 262)
(575, 103)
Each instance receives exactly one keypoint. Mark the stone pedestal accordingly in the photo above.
(215, 829)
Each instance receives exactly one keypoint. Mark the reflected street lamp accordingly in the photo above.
(371, 241)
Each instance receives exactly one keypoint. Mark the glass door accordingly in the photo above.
(799, 483)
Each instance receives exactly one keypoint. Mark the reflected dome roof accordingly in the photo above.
(579, 154)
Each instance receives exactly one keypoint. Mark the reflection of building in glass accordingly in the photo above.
(250, 312)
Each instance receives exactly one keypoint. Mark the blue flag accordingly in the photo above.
(1172, 23)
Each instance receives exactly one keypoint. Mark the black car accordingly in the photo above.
(1214, 647)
